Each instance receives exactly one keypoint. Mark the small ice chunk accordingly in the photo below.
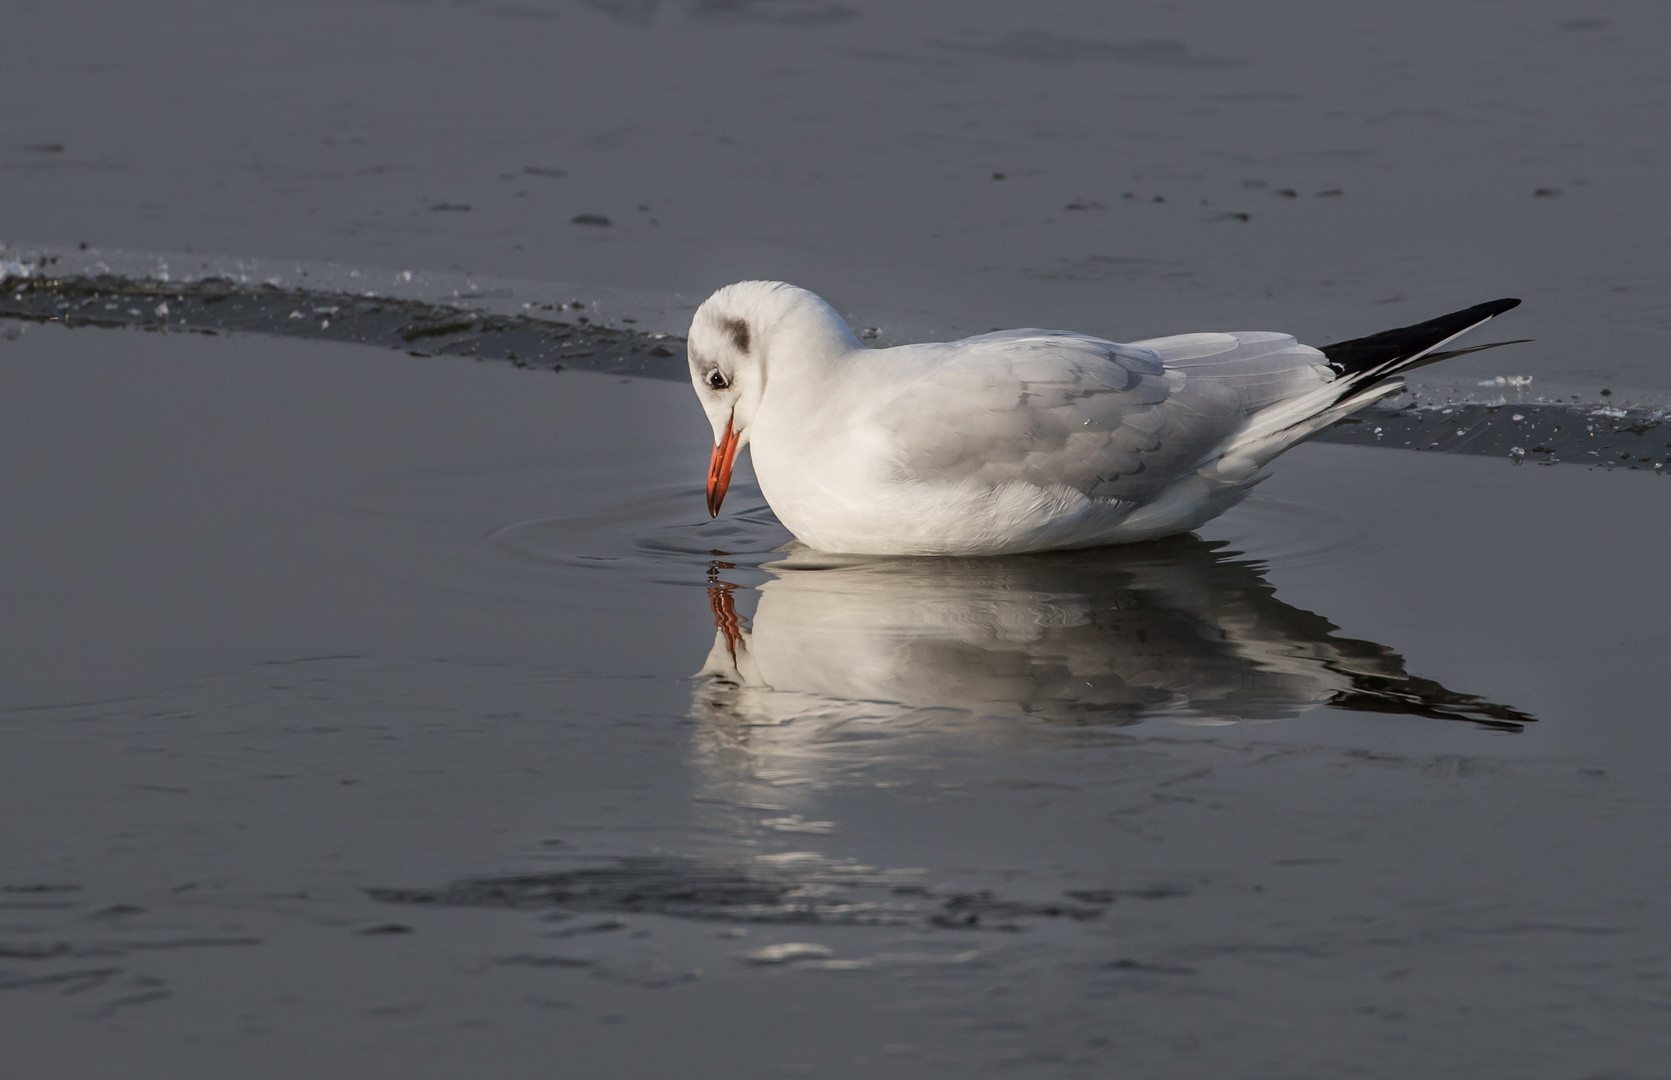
(796, 824)
(788, 952)
(162, 308)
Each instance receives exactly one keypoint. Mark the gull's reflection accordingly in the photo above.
(1176, 629)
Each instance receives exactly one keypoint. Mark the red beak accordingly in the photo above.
(719, 469)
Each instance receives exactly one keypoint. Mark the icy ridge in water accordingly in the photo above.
(649, 312)
(1545, 432)
(546, 325)
(550, 335)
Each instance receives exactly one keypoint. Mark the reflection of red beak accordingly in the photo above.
(719, 469)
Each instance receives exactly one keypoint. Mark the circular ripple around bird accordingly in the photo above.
(650, 531)
(1289, 532)
(654, 530)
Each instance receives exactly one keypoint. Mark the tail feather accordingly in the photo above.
(1435, 357)
(1367, 370)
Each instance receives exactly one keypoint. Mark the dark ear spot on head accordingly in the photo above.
(738, 329)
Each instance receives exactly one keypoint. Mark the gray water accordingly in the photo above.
(375, 714)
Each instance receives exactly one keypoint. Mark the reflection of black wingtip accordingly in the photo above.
(1409, 696)
(1380, 684)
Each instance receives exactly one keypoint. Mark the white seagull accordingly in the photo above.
(1021, 440)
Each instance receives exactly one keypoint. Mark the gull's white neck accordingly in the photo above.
(803, 330)
(803, 344)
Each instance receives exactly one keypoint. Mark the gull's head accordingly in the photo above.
(737, 336)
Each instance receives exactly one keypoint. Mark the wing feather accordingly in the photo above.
(1112, 421)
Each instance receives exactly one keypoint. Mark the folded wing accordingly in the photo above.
(1115, 422)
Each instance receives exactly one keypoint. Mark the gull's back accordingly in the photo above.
(1115, 422)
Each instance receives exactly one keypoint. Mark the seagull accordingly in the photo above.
(1021, 440)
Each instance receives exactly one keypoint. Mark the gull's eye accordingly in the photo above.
(717, 380)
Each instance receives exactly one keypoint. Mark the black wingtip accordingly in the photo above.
(1392, 351)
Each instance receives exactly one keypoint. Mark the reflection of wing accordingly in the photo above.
(1169, 629)
(1115, 422)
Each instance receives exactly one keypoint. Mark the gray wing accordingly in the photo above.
(1117, 422)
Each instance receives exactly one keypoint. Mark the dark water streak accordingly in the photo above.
(802, 891)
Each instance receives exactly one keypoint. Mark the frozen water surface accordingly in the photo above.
(374, 714)
(1389, 163)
